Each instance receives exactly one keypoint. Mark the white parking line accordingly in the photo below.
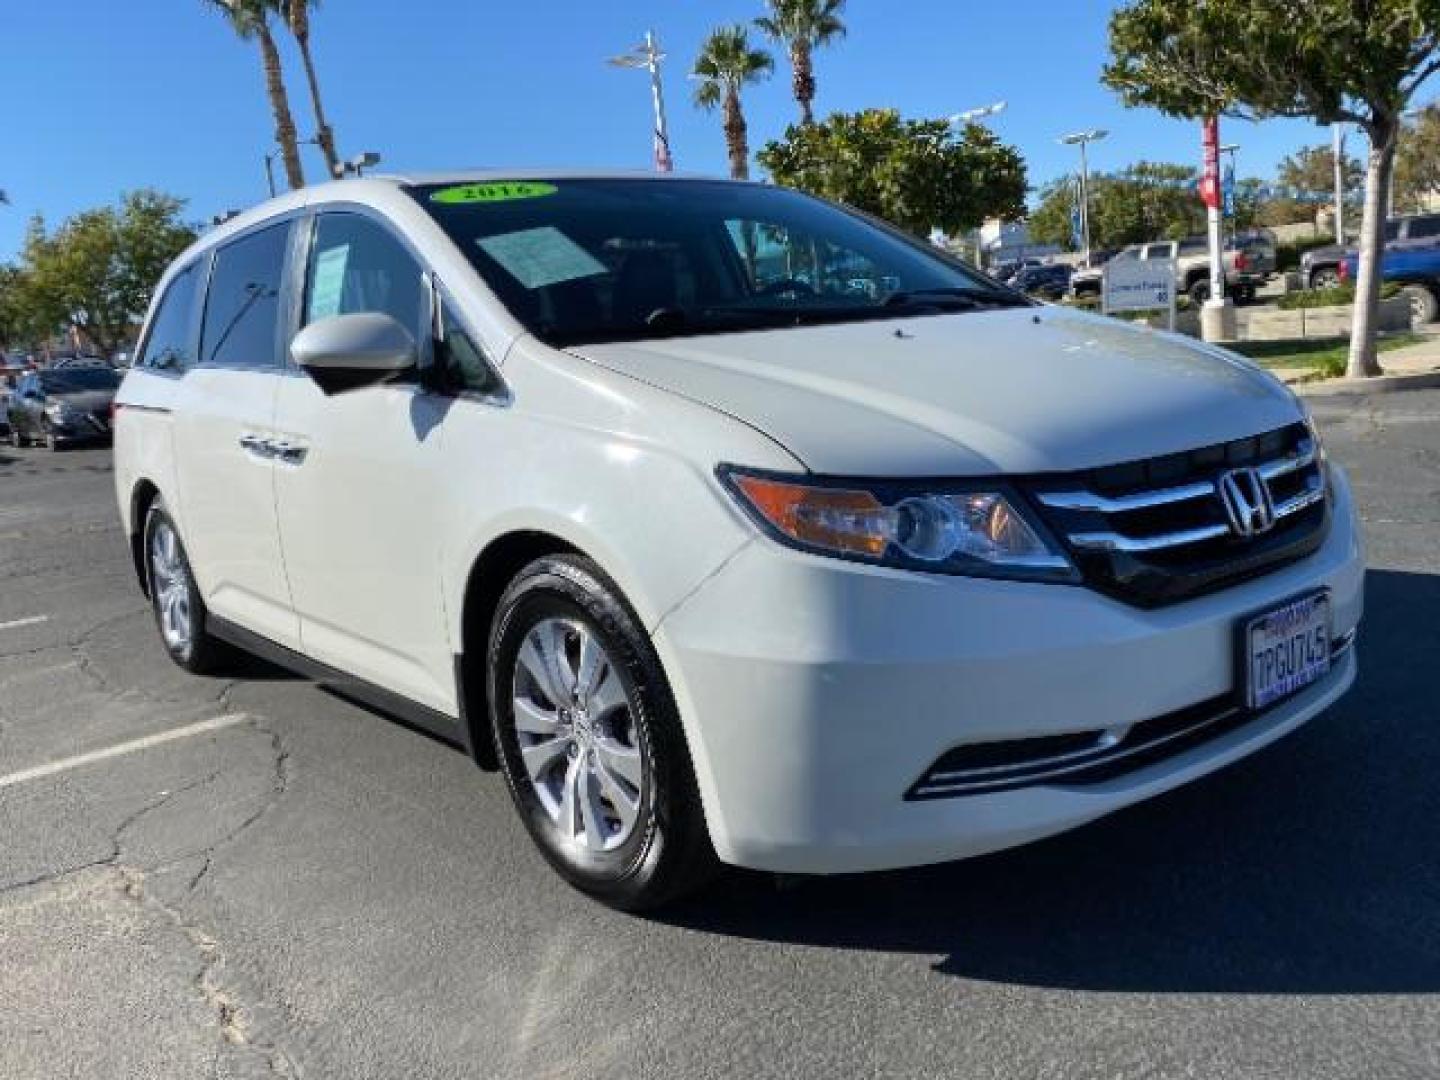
(15, 624)
(50, 768)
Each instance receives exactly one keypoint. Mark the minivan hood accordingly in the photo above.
(1023, 390)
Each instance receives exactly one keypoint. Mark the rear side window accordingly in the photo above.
(243, 308)
(356, 265)
(1422, 227)
(168, 345)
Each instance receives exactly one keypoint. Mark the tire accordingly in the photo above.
(180, 614)
(1198, 291)
(1245, 294)
(604, 784)
(1424, 306)
(1327, 277)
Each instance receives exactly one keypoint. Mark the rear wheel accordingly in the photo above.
(1325, 278)
(589, 739)
(1198, 291)
(1423, 305)
(179, 612)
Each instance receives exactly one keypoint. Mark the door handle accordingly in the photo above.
(288, 452)
(254, 444)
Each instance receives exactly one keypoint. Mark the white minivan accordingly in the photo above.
(729, 525)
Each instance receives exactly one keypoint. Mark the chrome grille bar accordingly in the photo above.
(1113, 541)
(1140, 500)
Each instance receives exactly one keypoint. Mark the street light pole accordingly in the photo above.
(1337, 153)
(970, 116)
(1083, 139)
(647, 56)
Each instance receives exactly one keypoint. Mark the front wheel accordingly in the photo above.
(1199, 291)
(1327, 278)
(589, 739)
(1423, 305)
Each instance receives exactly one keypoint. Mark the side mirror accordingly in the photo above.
(348, 352)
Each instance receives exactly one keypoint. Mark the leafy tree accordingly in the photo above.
(915, 174)
(250, 19)
(803, 26)
(1333, 61)
(296, 14)
(97, 270)
(1417, 161)
(726, 64)
(1146, 201)
(1310, 172)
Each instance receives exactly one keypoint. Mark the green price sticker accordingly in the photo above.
(502, 191)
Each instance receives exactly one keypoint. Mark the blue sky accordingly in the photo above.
(101, 96)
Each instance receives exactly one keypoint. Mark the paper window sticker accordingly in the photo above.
(540, 257)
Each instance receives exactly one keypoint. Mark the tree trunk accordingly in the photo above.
(280, 106)
(323, 133)
(802, 80)
(736, 136)
(1363, 361)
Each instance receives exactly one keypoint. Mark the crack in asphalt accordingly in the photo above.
(232, 1017)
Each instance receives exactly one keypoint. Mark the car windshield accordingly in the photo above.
(592, 260)
(73, 380)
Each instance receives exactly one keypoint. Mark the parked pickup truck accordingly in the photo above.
(1244, 271)
(1415, 269)
(1320, 267)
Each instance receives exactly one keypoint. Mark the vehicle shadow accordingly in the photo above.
(1309, 868)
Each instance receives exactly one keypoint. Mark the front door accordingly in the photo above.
(224, 417)
(359, 491)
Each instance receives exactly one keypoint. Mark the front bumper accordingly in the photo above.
(816, 692)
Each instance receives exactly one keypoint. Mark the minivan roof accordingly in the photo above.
(381, 188)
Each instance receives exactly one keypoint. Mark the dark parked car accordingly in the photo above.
(1046, 282)
(64, 406)
(1320, 267)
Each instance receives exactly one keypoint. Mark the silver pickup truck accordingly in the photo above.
(1248, 262)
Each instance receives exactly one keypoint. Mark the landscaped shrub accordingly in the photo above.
(1336, 296)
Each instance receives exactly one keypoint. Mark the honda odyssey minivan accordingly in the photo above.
(730, 526)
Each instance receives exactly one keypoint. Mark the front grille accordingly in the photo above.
(1076, 759)
(1156, 531)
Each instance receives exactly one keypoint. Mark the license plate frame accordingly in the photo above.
(1280, 675)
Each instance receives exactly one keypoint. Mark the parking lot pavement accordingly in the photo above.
(252, 877)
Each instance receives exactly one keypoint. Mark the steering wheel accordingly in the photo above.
(781, 286)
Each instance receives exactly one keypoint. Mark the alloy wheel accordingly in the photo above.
(170, 581)
(575, 725)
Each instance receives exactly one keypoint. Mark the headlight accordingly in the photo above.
(980, 530)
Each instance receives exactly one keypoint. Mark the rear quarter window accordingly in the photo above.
(170, 340)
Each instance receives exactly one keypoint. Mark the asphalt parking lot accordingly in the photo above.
(272, 881)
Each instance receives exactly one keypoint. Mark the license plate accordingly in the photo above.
(1286, 648)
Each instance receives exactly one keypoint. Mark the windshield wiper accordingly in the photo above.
(957, 296)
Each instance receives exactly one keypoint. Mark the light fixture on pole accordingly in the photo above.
(970, 116)
(1082, 139)
(647, 56)
(357, 165)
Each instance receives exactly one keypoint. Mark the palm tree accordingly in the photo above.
(250, 19)
(803, 26)
(296, 14)
(725, 64)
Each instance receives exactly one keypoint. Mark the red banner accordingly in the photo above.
(1210, 176)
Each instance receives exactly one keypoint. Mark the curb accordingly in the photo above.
(1424, 380)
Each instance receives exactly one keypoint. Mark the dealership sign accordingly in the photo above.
(1130, 284)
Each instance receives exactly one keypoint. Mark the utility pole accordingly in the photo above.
(971, 116)
(1337, 152)
(647, 56)
(1083, 139)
